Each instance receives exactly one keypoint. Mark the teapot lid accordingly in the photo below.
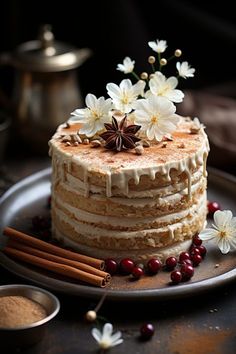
(47, 55)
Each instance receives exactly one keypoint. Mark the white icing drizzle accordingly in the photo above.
(120, 178)
(171, 232)
(189, 175)
(108, 184)
(78, 186)
(205, 164)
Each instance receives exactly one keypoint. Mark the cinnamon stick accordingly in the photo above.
(57, 259)
(56, 267)
(48, 247)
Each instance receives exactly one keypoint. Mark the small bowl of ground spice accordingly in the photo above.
(25, 312)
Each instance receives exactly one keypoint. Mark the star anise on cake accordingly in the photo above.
(120, 135)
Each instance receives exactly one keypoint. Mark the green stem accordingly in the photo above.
(171, 58)
(153, 68)
(159, 59)
(135, 75)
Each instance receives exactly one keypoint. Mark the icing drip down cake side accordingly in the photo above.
(109, 204)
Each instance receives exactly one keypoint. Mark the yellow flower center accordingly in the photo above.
(164, 89)
(222, 234)
(105, 344)
(154, 119)
(95, 114)
(125, 99)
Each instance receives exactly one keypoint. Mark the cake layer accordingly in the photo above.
(168, 188)
(137, 255)
(90, 235)
(128, 222)
(125, 207)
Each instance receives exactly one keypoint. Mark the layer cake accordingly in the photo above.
(109, 204)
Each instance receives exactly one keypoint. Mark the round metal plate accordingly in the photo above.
(29, 197)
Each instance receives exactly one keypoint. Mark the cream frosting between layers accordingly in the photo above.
(141, 254)
(141, 202)
(91, 231)
(116, 222)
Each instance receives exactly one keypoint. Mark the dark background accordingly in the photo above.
(206, 33)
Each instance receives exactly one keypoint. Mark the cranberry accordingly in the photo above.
(196, 240)
(213, 207)
(171, 263)
(187, 261)
(194, 250)
(187, 271)
(196, 259)
(137, 272)
(176, 276)
(111, 266)
(126, 266)
(183, 256)
(202, 250)
(140, 265)
(147, 331)
(153, 265)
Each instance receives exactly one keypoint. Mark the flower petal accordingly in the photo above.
(208, 234)
(117, 342)
(113, 90)
(232, 242)
(172, 82)
(233, 223)
(224, 245)
(90, 100)
(125, 84)
(116, 336)
(175, 96)
(222, 218)
(107, 331)
(97, 335)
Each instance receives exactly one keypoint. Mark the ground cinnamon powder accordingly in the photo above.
(197, 341)
(18, 311)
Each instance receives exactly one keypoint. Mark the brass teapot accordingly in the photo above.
(46, 89)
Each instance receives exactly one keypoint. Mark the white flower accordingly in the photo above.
(94, 116)
(197, 122)
(125, 95)
(157, 117)
(127, 66)
(105, 338)
(158, 46)
(161, 86)
(185, 70)
(223, 232)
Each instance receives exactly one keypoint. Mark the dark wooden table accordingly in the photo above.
(203, 324)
